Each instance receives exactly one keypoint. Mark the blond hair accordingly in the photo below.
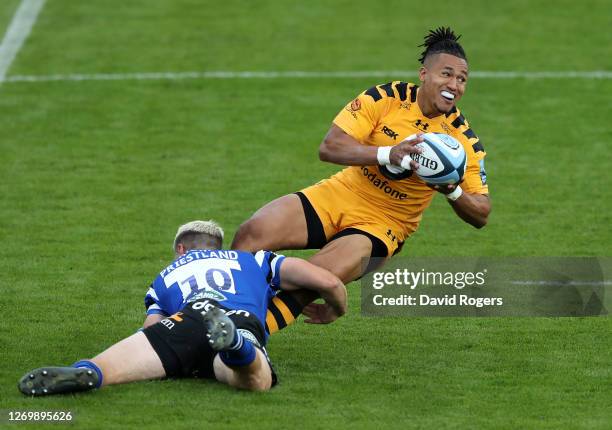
(198, 232)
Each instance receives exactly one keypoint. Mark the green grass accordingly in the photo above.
(96, 176)
(7, 9)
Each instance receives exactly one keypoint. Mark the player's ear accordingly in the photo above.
(422, 73)
(180, 249)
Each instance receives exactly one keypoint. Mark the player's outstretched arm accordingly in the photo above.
(296, 273)
(340, 148)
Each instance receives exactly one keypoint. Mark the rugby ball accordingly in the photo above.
(442, 161)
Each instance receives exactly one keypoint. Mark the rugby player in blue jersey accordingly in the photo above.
(205, 319)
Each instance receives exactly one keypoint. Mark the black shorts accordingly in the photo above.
(182, 347)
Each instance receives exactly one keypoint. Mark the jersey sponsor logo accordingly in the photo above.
(206, 305)
(207, 293)
(353, 107)
(199, 255)
(421, 125)
(382, 184)
(167, 323)
(393, 135)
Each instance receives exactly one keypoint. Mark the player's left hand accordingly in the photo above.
(319, 313)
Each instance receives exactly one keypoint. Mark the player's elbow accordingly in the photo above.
(483, 215)
(479, 223)
(332, 283)
(334, 287)
(325, 151)
(482, 220)
(342, 309)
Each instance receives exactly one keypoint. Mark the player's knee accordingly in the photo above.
(257, 381)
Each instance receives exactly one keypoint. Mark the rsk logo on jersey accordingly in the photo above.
(422, 125)
(393, 135)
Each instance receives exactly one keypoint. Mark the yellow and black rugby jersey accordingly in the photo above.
(385, 115)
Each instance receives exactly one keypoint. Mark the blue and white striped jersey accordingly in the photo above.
(236, 279)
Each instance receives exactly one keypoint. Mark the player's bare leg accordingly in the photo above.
(239, 363)
(132, 359)
(281, 224)
(256, 376)
(344, 256)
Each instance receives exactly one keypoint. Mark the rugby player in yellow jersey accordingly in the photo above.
(371, 207)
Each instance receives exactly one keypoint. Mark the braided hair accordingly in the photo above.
(442, 40)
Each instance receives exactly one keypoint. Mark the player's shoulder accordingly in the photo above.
(461, 130)
(266, 258)
(394, 91)
(269, 263)
(251, 260)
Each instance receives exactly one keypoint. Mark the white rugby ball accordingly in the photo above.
(442, 161)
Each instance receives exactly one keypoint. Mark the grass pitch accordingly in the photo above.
(96, 176)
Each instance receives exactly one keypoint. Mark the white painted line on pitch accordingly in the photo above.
(296, 74)
(564, 283)
(17, 32)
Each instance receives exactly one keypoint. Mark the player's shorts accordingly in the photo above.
(182, 347)
(332, 210)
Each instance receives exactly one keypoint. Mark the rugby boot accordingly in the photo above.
(220, 329)
(57, 380)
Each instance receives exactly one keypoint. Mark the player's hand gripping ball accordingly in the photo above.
(442, 161)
